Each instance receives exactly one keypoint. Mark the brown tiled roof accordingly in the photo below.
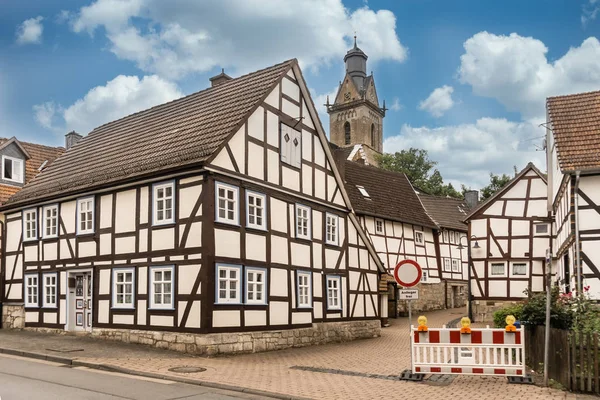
(391, 194)
(575, 123)
(182, 133)
(38, 155)
(445, 211)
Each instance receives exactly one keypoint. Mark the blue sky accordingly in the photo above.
(467, 79)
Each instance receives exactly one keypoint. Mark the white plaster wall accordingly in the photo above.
(256, 125)
(106, 211)
(515, 208)
(163, 239)
(320, 179)
(289, 88)
(279, 250)
(227, 243)
(278, 313)
(256, 158)
(255, 318)
(187, 200)
(273, 167)
(161, 320)
(67, 214)
(144, 193)
(125, 211)
(272, 129)
(256, 247)
(125, 245)
(300, 255)
(290, 178)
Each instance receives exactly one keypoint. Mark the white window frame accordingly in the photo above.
(238, 279)
(309, 296)
(377, 230)
(93, 210)
(452, 237)
(45, 219)
(445, 236)
(422, 241)
(447, 266)
(236, 204)
(512, 269)
(455, 263)
(46, 288)
(256, 271)
(152, 301)
(332, 237)
(263, 198)
(492, 264)
(155, 188)
(363, 191)
(34, 230)
(338, 280)
(123, 305)
(13, 160)
(301, 235)
(34, 301)
(536, 233)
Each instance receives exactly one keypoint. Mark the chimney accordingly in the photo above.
(472, 198)
(71, 138)
(218, 79)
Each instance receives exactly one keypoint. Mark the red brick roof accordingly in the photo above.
(182, 133)
(575, 124)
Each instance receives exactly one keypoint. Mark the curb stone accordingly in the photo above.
(110, 368)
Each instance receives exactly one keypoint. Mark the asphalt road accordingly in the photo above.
(22, 378)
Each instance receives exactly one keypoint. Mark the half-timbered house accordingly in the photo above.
(509, 236)
(573, 145)
(222, 211)
(451, 245)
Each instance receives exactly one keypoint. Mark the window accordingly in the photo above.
(541, 229)
(291, 146)
(255, 286)
(12, 169)
(445, 236)
(228, 284)
(373, 136)
(161, 287)
(50, 222)
(447, 264)
(363, 191)
(498, 269)
(30, 224)
(49, 290)
(347, 135)
(164, 203)
(256, 205)
(227, 204)
(85, 215)
(379, 226)
(452, 238)
(334, 301)
(424, 276)
(31, 291)
(331, 229)
(123, 286)
(419, 238)
(455, 265)
(304, 290)
(519, 269)
(302, 222)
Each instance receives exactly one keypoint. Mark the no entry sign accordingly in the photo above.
(408, 273)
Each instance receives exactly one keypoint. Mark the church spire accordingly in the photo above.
(356, 65)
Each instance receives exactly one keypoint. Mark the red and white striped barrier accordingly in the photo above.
(481, 352)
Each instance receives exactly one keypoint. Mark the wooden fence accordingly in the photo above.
(573, 357)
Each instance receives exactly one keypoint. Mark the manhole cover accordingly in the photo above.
(187, 370)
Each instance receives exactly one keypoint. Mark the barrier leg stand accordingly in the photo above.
(408, 374)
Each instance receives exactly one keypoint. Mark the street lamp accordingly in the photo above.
(469, 262)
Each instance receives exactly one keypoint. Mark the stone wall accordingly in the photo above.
(483, 310)
(458, 297)
(13, 316)
(242, 342)
(431, 297)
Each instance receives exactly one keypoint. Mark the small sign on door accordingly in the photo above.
(409, 294)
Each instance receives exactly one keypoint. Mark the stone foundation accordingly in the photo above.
(483, 310)
(456, 298)
(431, 297)
(13, 316)
(242, 342)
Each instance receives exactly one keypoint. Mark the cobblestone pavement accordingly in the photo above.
(332, 371)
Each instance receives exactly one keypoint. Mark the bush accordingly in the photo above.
(515, 310)
(561, 312)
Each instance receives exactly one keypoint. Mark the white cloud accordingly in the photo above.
(396, 106)
(438, 102)
(515, 70)
(467, 153)
(320, 100)
(589, 11)
(30, 31)
(121, 96)
(180, 37)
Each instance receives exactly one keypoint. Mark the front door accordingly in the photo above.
(80, 301)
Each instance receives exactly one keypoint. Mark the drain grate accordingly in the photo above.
(187, 370)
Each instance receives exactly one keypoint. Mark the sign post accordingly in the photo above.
(408, 273)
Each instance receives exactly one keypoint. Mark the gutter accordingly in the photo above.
(577, 244)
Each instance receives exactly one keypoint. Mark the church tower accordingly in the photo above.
(355, 116)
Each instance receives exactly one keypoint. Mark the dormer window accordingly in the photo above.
(12, 169)
(363, 191)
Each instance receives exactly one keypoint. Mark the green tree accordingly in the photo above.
(497, 182)
(417, 166)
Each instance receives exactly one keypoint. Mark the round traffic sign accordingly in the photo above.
(408, 273)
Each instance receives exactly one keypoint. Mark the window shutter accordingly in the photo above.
(284, 147)
(18, 170)
(297, 149)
